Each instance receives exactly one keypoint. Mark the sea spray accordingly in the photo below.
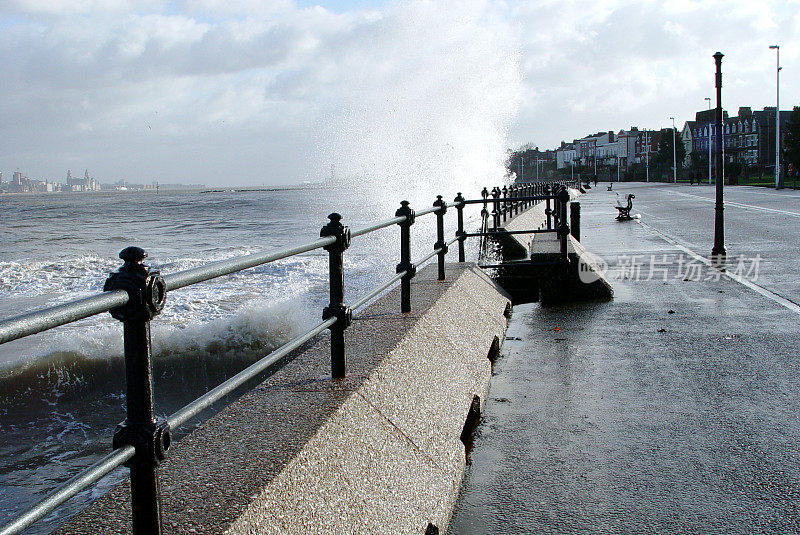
(419, 101)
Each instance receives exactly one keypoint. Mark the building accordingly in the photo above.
(748, 138)
(566, 155)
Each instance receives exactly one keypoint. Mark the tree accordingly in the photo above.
(791, 143)
(664, 154)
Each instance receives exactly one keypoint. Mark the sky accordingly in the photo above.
(278, 92)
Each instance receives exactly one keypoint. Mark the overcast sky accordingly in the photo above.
(252, 92)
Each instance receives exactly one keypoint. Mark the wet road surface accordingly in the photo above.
(671, 409)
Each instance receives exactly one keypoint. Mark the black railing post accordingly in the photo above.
(496, 207)
(336, 308)
(505, 202)
(146, 294)
(441, 245)
(459, 200)
(485, 209)
(575, 220)
(515, 195)
(563, 227)
(405, 255)
(547, 210)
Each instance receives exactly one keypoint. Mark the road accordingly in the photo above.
(673, 408)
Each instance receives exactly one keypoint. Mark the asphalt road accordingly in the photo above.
(671, 409)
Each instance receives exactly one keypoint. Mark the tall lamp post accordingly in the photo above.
(718, 252)
(709, 143)
(647, 155)
(778, 183)
(674, 157)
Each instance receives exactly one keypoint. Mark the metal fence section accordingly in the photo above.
(135, 295)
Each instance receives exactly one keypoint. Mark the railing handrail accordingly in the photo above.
(48, 318)
(110, 301)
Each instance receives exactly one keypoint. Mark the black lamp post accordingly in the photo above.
(718, 253)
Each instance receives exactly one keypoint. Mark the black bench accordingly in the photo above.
(625, 211)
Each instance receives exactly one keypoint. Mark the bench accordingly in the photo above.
(625, 211)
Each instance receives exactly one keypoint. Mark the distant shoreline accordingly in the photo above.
(190, 189)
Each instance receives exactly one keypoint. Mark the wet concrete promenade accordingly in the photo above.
(674, 408)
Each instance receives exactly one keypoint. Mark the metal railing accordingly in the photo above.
(135, 294)
(508, 201)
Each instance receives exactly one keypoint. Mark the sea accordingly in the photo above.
(62, 391)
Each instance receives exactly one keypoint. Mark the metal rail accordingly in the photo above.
(135, 295)
(88, 477)
(221, 268)
(43, 320)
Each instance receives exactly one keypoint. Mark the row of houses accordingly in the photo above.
(749, 139)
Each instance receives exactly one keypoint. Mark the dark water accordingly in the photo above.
(62, 392)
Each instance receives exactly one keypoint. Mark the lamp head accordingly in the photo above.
(774, 47)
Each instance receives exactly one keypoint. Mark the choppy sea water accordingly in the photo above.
(62, 391)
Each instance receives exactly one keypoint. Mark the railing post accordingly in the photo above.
(459, 200)
(496, 207)
(336, 308)
(405, 255)
(515, 194)
(575, 220)
(547, 210)
(440, 243)
(146, 296)
(505, 202)
(563, 228)
(485, 209)
(557, 188)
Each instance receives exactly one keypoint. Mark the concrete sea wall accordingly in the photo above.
(377, 452)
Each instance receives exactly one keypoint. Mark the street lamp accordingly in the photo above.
(647, 155)
(718, 252)
(674, 158)
(709, 142)
(778, 184)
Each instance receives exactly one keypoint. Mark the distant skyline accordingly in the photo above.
(252, 92)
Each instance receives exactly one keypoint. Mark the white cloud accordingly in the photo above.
(247, 91)
(423, 88)
(72, 7)
(605, 66)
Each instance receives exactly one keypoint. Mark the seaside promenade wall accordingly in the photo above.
(379, 451)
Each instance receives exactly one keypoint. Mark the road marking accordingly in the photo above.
(791, 305)
(738, 204)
